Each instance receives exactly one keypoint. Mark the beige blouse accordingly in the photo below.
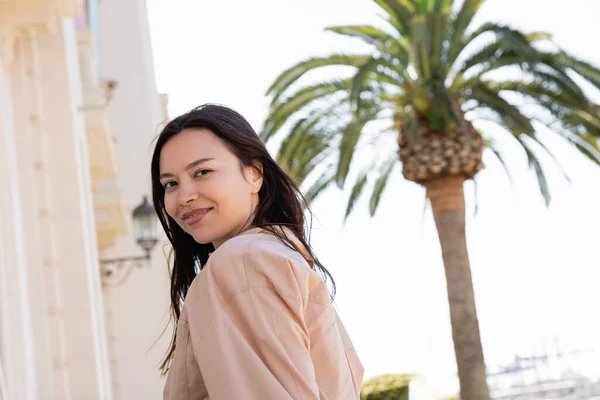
(258, 324)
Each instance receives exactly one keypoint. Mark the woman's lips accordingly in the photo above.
(193, 217)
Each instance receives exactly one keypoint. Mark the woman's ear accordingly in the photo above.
(256, 176)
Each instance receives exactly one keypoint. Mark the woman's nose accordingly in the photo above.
(187, 194)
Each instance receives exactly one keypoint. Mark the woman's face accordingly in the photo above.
(208, 192)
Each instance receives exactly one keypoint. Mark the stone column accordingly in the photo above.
(54, 346)
(17, 352)
(85, 355)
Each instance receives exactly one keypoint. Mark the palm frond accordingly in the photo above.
(437, 24)
(420, 44)
(547, 94)
(313, 160)
(443, 7)
(423, 6)
(348, 143)
(561, 83)
(308, 144)
(310, 153)
(500, 158)
(583, 68)
(427, 34)
(303, 128)
(413, 5)
(535, 164)
(584, 142)
(395, 68)
(282, 110)
(357, 190)
(503, 59)
(510, 115)
(543, 146)
(377, 79)
(323, 181)
(574, 117)
(586, 119)
(514, 39)
(410, 123)
(538, 36)
(292, 74)
(456, 112)
(507, 40)
(317, 90)
(485, 54)
(399, 13)
(587, 145)
(360, 78)
(373, 36)
(385, 75)
(381, 183)
(460, 23)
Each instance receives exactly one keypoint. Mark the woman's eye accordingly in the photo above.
(202, 172)
(169, 184)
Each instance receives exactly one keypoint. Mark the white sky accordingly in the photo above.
(535, 269)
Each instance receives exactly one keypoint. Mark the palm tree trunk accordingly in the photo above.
(448, 204)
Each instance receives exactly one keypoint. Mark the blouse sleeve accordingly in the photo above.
(255, 345)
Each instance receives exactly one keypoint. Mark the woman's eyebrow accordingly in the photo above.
(189, 166)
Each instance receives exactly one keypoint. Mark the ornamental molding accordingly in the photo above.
(26, 17)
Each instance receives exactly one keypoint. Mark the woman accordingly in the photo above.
(257, 321)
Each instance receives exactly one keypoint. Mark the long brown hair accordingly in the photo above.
(280, 201)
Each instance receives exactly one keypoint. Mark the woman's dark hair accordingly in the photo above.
(280, 201)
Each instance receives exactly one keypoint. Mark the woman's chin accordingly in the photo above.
(203, 238)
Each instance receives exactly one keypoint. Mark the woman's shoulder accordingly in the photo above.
(258, 258)
(259, 243)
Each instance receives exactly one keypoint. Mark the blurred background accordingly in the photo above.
(85, 86)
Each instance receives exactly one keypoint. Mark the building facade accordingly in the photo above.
(78, 110)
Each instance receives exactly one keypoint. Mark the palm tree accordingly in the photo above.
(427, 77)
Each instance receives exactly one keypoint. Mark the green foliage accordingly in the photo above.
(386, 387)
(426, 65)
(387, 169)
(356, 192)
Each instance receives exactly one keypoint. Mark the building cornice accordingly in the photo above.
(23, 17)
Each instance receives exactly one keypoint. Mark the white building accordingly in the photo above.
(78, 110)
